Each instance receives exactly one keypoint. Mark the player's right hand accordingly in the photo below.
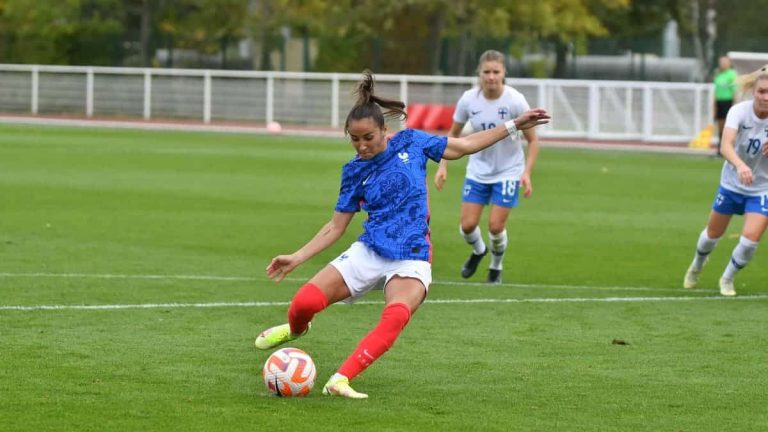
(280, 266)
(745, 174)
(440, 177)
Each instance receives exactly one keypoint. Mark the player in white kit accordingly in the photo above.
(495, 175)
(743, 183)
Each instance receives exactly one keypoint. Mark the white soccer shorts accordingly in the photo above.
(363, 270)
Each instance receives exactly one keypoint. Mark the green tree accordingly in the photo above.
(566, 24)
(61, 32)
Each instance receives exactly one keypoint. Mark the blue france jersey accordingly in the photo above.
(392, 188)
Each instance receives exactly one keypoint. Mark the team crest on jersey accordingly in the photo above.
(403, 157)
(503, 112)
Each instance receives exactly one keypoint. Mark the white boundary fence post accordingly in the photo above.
(335, 101)
(89, 93)
(207, 97)
(696, 111)
(35, 89)
(647, 113)
(593, 116)
(628, 121)
(147, 94)
(270, 98)
(403, 96)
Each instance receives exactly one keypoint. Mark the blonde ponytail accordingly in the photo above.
(747, 81)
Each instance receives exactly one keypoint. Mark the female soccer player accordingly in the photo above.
(387, 179)
(495, 174)
(743, 183)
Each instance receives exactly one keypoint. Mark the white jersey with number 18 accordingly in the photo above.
(751, 136)
(504, 160)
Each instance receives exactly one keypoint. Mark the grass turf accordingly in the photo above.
(158, 220)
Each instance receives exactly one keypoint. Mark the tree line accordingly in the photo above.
(406, 36)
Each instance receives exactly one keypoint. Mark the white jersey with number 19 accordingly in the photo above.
(751, 136)
(504, 160)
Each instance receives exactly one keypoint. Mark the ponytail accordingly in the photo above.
(747, 81)
(368, 105)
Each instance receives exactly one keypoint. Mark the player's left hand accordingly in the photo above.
(280, 266)
(525, 182)
(765, 149)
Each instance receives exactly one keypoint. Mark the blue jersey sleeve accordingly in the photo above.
(433, 146)
(350, 196)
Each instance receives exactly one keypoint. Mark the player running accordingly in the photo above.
(743, 183)
(494, 176)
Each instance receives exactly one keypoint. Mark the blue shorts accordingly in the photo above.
(505, 193)
(729, 202)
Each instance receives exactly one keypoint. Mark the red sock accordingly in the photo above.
(308, 301)
(394, 317)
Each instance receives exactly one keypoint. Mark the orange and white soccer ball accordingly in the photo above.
(289, 372)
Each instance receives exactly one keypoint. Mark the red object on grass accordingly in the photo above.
(439, 117)
(416, 115)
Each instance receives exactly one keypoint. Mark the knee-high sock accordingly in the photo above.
(475, 239)
(308, 301)
(741, 256)
(394, 317)
(704, 246)
(498, 247)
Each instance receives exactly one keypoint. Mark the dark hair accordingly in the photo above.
(369, 106)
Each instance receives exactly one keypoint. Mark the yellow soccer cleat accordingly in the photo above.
(338, 385)
(277, 335)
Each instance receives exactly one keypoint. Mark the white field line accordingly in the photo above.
(167, 126)
(438, 301)
(125, 276)
(9, 275)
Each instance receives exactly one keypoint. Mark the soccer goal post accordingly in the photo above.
(745, 62)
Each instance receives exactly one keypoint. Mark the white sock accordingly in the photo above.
(498, 247)
(475, 239)
(741, 256)
(704, 246)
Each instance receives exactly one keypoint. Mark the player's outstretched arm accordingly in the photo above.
(458, 147)
(281, 265)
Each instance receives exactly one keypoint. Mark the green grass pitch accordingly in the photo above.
(167, 235)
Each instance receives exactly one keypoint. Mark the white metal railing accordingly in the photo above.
(623, 110)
